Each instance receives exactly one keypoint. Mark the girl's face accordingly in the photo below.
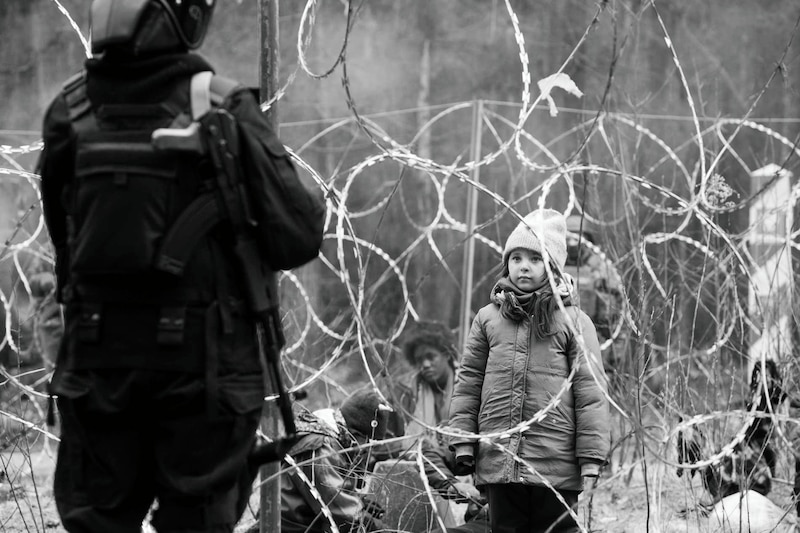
(526, 269)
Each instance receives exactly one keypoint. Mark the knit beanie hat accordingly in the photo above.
(363, 407)
(550, 226)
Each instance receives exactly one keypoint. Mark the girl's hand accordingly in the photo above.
(465, 464)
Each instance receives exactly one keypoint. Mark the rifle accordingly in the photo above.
(217, 135)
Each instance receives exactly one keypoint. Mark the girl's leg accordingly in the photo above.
(509, 509)
(564, 523)
(515, 508)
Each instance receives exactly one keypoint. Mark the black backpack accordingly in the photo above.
(129, 192)
(126, 193)
(153, 226)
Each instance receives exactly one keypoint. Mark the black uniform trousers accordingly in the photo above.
(132, 437)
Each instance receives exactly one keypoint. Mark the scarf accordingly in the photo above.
(516, 305)
(432, 405)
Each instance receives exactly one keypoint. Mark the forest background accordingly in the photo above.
(388, 104)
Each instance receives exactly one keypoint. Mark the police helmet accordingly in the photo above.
(116, 22)
(190, 18)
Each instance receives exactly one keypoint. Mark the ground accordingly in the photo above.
(632, 500)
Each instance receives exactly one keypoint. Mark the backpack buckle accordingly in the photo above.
(171, 323)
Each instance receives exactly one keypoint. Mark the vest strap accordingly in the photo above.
(201, 94)
(185, 233)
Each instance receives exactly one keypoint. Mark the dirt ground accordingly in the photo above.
(631, 500)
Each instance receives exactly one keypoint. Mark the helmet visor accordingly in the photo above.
(191, 19)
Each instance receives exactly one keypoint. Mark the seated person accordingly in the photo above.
(423, 395)
(422, 398)
(328, 456)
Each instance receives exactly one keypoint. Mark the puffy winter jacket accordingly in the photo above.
(507, 376)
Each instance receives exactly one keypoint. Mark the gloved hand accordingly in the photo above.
(465, 462)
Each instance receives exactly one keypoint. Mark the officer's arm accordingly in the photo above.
(56, 167)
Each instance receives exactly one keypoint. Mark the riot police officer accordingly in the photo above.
(159, 377)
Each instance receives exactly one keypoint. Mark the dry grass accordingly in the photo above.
(629, 501)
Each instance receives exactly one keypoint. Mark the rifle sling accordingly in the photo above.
(191, 225)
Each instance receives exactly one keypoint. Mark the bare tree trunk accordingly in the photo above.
(423, 103)
(424, 196)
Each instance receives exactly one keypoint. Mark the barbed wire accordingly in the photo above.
(695, 203)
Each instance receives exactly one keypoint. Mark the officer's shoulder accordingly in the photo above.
(73, 82)
(57, 112)
(235, 96)
(72, 97)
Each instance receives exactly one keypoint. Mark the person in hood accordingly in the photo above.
(531, 383)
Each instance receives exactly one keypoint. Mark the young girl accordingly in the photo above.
(520, 350)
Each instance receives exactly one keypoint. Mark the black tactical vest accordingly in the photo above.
(126, 195)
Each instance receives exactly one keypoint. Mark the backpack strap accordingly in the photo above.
(75, 94)
(192, 224)
(200, 94)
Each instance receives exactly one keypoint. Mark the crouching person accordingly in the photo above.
(328, 466)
